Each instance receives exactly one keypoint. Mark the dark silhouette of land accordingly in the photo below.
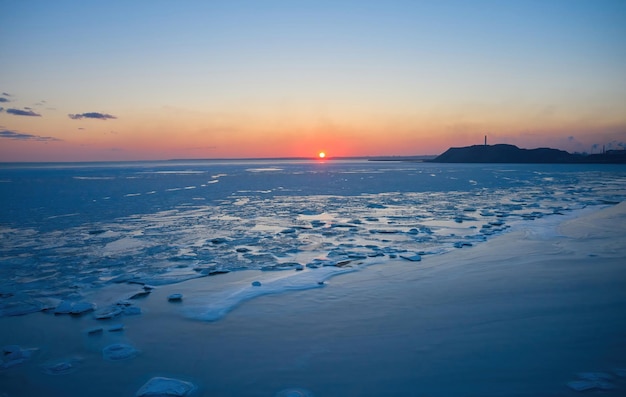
(503, 153)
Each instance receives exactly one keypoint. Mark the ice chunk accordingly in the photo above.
(116, 328)
(131, 310)
(107, 312)
(12, 355)
(21, 308)
(119, 351)
(317, 223)
(161, 386)
(283, 266)
(76, 308)
(65, 307)
(175, 298)
(294, 393)
(214, 306)
(94, 331)
(61, 367)
(411, 257)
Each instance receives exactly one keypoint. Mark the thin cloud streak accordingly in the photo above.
(8, 134)
(22, 112)
(91, 115)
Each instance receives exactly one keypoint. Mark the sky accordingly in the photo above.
(148, 80)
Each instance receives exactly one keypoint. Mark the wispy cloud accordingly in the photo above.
(91, 115)
(3, 99)
(7, 134)
(22, 112)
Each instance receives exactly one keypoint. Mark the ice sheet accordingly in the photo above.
(145, 223)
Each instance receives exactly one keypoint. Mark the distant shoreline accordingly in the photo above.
(511, 154)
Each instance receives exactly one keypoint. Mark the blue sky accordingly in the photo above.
(280, 78)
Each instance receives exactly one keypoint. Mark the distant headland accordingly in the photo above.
(503, 153)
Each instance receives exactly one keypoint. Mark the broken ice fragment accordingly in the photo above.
(94, 331)
(161, 386)
(256, 283)
(107, 312)
(63, 308)
(175, 298)
(21, 308)
(131, 310)
(461, 244)
(61, 367)
(317, 223)
(12, 355)
(82, 307)
(116, 328)
(411, 257)
(119, 351)
(283, 266)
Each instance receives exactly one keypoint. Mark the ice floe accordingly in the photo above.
(162, 386)
(119, 351)
(76, 308)
(280, 220)
(108, 312)
(62, 366)
(213, 306)
(12, 355)
(116, 328)
(413, 257)
(175, 297)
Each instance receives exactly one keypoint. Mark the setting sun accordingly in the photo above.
(322, 155)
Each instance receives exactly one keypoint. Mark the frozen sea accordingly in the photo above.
(95, 243)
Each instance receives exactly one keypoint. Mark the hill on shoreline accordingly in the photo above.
(503, 153)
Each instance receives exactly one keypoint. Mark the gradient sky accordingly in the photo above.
(137, 80)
